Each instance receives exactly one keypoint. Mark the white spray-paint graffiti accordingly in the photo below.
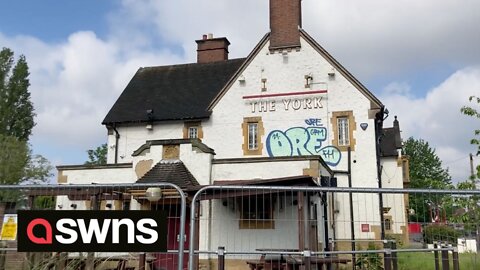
(300, 141)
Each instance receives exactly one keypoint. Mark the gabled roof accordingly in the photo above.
(177, 92)
(191, 91)
(171, 171)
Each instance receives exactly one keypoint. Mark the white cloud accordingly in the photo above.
(436, 118)
(376, 38)
(397, 88)
(74, 84)
(372, 38)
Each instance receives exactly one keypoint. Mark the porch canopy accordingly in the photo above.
(307, 232)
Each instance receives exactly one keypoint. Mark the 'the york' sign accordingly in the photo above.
(286, 104)
(286, 101)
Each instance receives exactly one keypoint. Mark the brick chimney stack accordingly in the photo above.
(212, 49)
(285, 20)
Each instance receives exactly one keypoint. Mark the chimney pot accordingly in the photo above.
(204, 37)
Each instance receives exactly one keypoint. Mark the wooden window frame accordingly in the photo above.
(260, 132)
(352, 126)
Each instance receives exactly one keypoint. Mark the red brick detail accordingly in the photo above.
(285, 20)
(212, 50)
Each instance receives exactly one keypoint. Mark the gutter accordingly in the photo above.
(379, 118)
(117, 138)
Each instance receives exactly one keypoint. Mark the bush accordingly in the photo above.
(440, 233)
(369, 261)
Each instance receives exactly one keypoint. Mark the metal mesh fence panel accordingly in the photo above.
(256, 227)
(112, 197)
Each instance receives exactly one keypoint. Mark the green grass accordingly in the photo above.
(425, 261)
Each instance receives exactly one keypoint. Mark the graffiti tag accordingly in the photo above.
(300, 141)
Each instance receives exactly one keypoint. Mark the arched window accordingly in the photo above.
(388, 224)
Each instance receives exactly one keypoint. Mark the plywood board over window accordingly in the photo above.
(343, 124)
(252, 130)
(256, 212)
(193, 130)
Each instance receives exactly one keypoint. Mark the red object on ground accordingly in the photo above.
(414, 228)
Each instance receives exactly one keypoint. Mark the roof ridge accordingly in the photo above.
(169, 161)
(191, 64)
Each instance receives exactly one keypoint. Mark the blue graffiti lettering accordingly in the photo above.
(299, 138)
(298, 141)
(278, 145)
(331, 155)
(314, 122)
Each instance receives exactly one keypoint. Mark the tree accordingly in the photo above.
(17, 164)
(97, 156)
(16, 108)
(473, 112)
(13, 159)
(468, 210)
(426, 172)
(37, 171)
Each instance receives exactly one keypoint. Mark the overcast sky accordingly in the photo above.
(421, 58)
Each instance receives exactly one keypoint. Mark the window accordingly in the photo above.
(343, 131)
(193, 132)
(343, 127)
(10, 207)
(388, 224)
(256, 212)
(252, 135)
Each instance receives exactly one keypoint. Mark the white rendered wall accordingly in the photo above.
(90, 176)
(196, 161)
(133, 136)
(392, 177)
(99, 176)
(263, 170)
(226, 232)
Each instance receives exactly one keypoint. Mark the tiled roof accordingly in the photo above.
(176, 92)
(171, 171)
